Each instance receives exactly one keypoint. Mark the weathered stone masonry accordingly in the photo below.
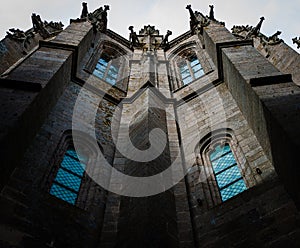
(247, 97)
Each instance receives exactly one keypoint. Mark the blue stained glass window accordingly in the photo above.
(233, 189)
(227, 173)
(190, 69)
(62, 193)
(68, 179)
(106, 70)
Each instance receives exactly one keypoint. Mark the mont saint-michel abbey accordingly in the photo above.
(149, 141)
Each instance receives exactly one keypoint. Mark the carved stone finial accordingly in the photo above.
(211, 13)
(297, 41)
(84, 12)
(99, 19)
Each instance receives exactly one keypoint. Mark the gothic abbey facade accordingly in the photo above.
(148, 142)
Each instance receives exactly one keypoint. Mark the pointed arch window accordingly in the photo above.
(107, 69)
(67, 182)
(190, 68)
(227, 173)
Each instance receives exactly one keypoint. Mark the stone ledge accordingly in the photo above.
(259, 81)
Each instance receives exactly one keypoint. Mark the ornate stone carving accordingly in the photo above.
(254, 32)
(165, 41)
(273, 39)
(193, 19)
(204, 21)
(211, 13)
(149, 30)
(20, 36)
(238, 30)
(39, 27)
(148, 39)
(45, 29)
(54, 27)
(297, 41)
(99, 19)
(211, 16)
(269, 41)
(133, 38)
(246, 32)
(84, 12)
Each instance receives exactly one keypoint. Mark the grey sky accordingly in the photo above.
(164, 14)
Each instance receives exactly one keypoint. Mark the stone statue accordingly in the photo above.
(211, 13)
(99, 19)
(84, 12)
(297, 41)
(193, 18)
(165, 41)
(39, 27)
(255, 31)
(133, 38)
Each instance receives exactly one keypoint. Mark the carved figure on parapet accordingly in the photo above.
(45, 29)
(239, 29)
(16, 34)
(256, 30)
(39, 27)
(84, 12)
(133, 38)
(165, 41)
(99, 19)
(274, 39)
(55, 26)
(297, 41)
(204, 20)
(211, 16)
(211, 12)
(269, 41)
(193, 18)
(20, 36)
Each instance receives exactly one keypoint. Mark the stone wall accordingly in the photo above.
(242, 95)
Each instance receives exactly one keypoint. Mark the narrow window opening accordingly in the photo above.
(227, 173)
(67, 182)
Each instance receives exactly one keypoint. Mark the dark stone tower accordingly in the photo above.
(146, 142)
